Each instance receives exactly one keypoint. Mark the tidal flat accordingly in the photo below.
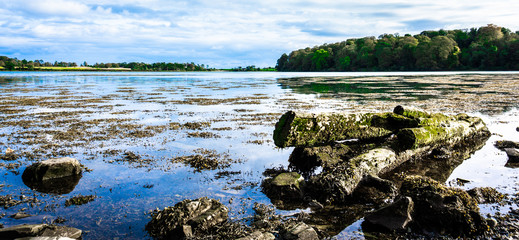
(151, 140)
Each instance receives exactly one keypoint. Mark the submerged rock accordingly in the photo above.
(59, 175)
(186, 218)
(442, 209)
(393, 217)
(40, 231)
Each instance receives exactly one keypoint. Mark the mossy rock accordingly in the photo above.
(285, 186)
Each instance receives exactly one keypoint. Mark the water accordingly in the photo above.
(99, 117)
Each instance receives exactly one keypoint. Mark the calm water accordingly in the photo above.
(239, 111)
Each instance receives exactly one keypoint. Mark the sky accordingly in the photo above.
(221, 33)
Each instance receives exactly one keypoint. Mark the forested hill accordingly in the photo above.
(487, 48)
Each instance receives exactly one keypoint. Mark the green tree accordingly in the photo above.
(319, 59)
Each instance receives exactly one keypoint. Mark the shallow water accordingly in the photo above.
(97, 117)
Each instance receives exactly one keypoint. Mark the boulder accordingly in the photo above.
(286, 186)
(59, 175)
(374, 190)
(393, 217)
(299, 231)
(40, 231)
(186, 218)
(442, 209)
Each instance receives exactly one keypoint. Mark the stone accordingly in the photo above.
(40, 231)
(393, 217)
(486, 195)
(287, 186)
(300, 231)
(20, 215)
(19, 231)
(374, 190)
(506, 144)
(186, 218)
(513, 157)
(59, 175)
(441, 209)
(258, 235)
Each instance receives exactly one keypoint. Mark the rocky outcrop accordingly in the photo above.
(59, 176)
(40, 231)
(186, 218)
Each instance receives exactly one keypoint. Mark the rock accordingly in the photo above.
(258, 235)
(517, 129)
(442, 209)
(186, 218)
(485, 195)
(9, 151)
(395, 216)
(513, 157)
(20, 215)
(40, 231)
(286, 186)
(374, 190)
(506, 144)
(306, 130)
(338, 183)
(59, 175)
(300, 231)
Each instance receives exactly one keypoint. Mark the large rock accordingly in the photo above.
(442, 209)
(39, 231)
(59, 175)
(393, 217)
(186, 218)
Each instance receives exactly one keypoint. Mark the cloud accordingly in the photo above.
(223, 33)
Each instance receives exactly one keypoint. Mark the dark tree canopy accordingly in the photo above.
(488, 48)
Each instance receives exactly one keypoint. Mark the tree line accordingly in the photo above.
(16, 64)
(486, 48)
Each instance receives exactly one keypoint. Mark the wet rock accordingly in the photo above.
(517, 129)
(286, 186)
(506, 144)
(374, 190)
(40, 231)
(442, 209)
(393, 217)
(299, 231)
(486, 195)
(20, 215)
(59, 176)
(513, 157)
(307, 159)
(186, 218)
(258, 235)
(338, 183)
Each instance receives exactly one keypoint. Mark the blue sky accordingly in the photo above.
(223, 33)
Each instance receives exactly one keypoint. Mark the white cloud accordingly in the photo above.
(221, 32)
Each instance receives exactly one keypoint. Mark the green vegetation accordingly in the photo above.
(487, 48)
(13, 64)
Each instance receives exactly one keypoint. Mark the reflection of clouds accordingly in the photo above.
(219, 33)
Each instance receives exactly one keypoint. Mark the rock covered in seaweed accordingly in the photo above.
(186, 218)
(393, 217)
(40, 231)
